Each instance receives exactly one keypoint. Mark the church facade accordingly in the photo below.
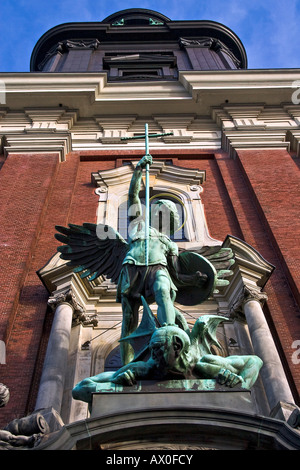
(227, 152)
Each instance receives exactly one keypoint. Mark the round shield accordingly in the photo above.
(190, 263)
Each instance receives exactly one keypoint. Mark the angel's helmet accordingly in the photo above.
(165, 217)
(168, 343)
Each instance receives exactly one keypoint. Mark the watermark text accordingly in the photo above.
(296, 354)
(2, 92)
(296, 93)
(2, 352)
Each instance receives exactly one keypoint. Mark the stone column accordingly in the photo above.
(55, 365)
(272, 372)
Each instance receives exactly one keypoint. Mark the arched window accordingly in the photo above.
(182, 186)
(160, 216)
(113, 361)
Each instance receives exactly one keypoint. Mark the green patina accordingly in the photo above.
(149, 268)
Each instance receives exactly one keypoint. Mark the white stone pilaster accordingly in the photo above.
(272, 373)
(55, 365)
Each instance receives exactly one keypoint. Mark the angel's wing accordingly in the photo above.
(204, 332)
(93, 249)
(221, 258)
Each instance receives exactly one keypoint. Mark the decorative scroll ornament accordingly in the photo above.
(196, 187)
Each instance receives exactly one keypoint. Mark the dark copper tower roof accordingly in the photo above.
(138, 30)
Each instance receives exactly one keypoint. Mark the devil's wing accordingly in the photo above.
(93, 250)
(204, 332)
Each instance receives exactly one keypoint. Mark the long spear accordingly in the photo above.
(147, 136)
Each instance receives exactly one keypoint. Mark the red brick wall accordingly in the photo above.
(277, 192)
(241, 197)
(264, 189)
(273, 183)
(36, 193)
(25, 187)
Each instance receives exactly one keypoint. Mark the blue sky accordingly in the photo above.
(269, 29)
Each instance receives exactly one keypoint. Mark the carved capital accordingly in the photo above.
(65, 297)
(79, 316)
(247, 295)
(254, 294)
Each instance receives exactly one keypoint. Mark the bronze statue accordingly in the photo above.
(148, 268)
(176, 354)
(165, 277)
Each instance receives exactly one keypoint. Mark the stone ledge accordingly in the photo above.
(185, 394)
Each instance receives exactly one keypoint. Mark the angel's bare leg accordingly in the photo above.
(130, 309)
(166, 312)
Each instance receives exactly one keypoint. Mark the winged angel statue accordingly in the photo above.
(148, 268)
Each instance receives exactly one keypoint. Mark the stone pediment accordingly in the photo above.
(158, 169)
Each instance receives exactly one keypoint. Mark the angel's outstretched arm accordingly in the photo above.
(135, 207)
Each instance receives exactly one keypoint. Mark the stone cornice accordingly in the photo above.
(249, 83)
(58, 142)
(95, 85)
(294, 138)
(259, 112)
(234, 140)
(255, 270)
(37, 130)
(261, 79)
(256, 125)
